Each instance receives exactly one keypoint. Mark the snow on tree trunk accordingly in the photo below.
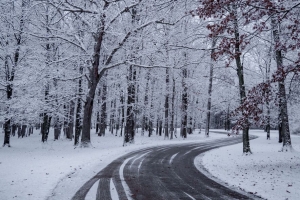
(7, 131)
(160, 127)
(129, 127)
(240, 73)
(151, 116)
(103, 114)
(283, 112)
(65, 120)
(46, 118)
(268, 66)
(78, 124)
(87, 112)
(57, 128)
(167, 105)
(211, 73)
(184, 99)
(45, 127)
(70, 130)
(172, 128)
(94, 78)
(10, 74)
(145, 125)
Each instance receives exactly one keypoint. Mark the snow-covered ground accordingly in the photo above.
(267, 172)
(31, 170)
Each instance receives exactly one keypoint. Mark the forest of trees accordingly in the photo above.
(86, 67)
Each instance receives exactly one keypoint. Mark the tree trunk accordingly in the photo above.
(111, 123)
(19, 131)
(57, 132)
(57, 128)
(240, 73)
(70, 130)
(150, 128)
(129, 128)
(157, 126)
(45, 127)
(268, 126)
(87, 116)
(103, 114)
(227, 120)
(97, 122)
(14, 128)
(145, 123)
(7, 125)
(10, 75)
(146, 99)
(211, 73)
(7, 133)
(190, 125)
(167, 105)
(184, 119)
(98, 113)
(173, 111)
(78, 125)
(122, 113)
(279, 130)
(160, 127)
(30, 130)
(94, 78)
(46, 119)
(65, 121)
(117, 128)
(23, 130)
(175, 124)
(150, 119)
(284, 120)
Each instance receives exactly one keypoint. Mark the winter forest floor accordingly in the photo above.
(55, 170)
(267, 172)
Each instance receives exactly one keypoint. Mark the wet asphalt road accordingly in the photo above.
(160, 173)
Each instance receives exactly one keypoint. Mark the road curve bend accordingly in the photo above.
(160, 173)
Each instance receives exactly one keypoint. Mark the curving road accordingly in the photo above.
(160, 173)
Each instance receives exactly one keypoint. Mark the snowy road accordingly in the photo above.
(165, 173)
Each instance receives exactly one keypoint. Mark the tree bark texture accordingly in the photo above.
(173, 111)
(268, 125)
(160, 127)
(57, 132)
(70, 130)
(167, 104)
(46, 118)
(87, 117)
(10, 74)
(240, 73)
(145, 122)
(94, 77)
(184, 97)
(284, 120)
(78, 124)
(129, 127)
(103, 114)
(211, 73)
(65, 120)
(45, 127)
